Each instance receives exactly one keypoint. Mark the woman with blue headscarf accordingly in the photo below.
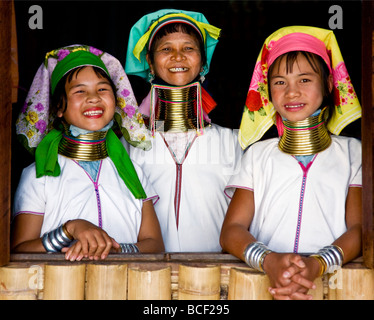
(191, 159)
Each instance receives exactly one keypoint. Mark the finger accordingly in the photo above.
(291, 271)
(109, 244)
(280, 297)
(84, 247)
(96, 245)
(301, 296)
(283, 291)
(73, 252)
(277, 296)
(298, 261)
(299, 279)
(288, 290)
(104, 244)
(92, 247)
(115, 244)
(68, 251)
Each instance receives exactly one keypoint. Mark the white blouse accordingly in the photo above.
(106, 202)
(298, 208)
(190, 178)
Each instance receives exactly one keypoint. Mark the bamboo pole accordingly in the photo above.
(351, 283)
(64, 282)
(106, 282)
(19, 282)
(319, 292)
(199, 283)
(247, 284)
(147, 284)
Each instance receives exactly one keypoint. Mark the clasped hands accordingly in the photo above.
(291, 275)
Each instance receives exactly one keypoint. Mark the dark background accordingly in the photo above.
(245, 25)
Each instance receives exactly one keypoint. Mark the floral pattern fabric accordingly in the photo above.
(259, 113)
(35, 120)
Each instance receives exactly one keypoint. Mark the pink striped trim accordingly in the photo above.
(309, 128)
(97, 193)
(171, 102)
(154, 199)
(82, 142)
(236, 187)
(301, 202)
(29, 212)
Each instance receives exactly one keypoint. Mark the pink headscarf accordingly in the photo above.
(259, 113)
(299, 42)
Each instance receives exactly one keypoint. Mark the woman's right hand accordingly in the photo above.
(91, 241)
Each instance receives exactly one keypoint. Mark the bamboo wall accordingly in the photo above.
(162, 277)
(5, 127)
(367, 102)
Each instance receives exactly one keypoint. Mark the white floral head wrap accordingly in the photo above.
(35, 120)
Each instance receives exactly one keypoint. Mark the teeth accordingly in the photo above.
(178, 69)
(295, 106)
(93, 113)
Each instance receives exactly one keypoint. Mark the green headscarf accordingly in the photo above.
(46, 159)
(74, 60)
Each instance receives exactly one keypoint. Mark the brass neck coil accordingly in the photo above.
(85, 147)
(176, 109)
(306, 137)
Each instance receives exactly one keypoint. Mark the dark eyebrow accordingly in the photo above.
(104, 82)
(299, 75)
(307, 74)
(77, 85)
(84, 85)
(276, 76)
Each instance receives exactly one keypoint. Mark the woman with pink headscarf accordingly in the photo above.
(295, 211)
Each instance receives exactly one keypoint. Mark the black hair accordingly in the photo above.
(178, 27)
(318, 65)
(59, 98)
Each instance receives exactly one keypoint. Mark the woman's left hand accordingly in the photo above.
(91, 241)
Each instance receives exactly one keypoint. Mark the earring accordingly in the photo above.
(151, 77)
(202, 75)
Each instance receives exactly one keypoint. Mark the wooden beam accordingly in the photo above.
(5, 127)
(367, 100)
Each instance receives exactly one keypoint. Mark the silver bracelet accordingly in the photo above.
(56, 239)
(129, 248)
(254, 255)
(333, 256)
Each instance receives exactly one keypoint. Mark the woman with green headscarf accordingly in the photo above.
(83, 195)
(191, 158)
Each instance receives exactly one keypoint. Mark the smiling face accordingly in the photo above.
(176, 58)
(297, 93)
(90, 100)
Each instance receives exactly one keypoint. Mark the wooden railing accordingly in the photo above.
(169, 276)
